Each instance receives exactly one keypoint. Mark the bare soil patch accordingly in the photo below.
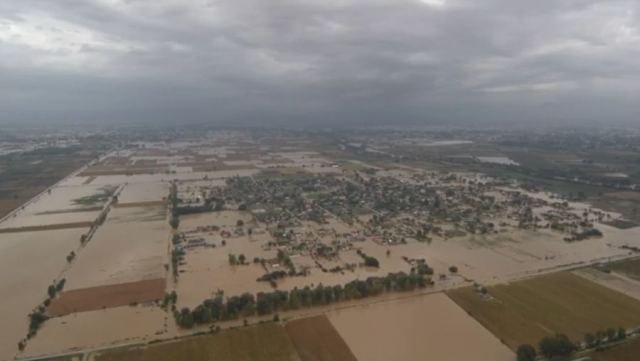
(95, 298)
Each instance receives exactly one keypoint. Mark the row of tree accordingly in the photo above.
(237, 260)
(177, 255)
(39, 315)
(559, 345)
(604, 336)
(264, 303)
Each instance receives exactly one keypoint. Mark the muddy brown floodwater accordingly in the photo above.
(430, 327)
(29, 262)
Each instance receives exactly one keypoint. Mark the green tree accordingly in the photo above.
(185, 318)
(371, 262)
(590, 339)
(526, 353)
(556, 345)
(174, 222)
(60, 285)
(242, 258)
(51, 291)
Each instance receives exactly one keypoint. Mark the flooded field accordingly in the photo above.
(131, 246)
(99, 328)
(63, 205)
(496, 258)
(612, 280)
(144, 192)
(207, 270)
(629, 268)
(163, 177)
(223, 219)
(24, 287)
(417, 328)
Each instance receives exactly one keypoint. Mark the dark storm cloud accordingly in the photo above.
(320, 61)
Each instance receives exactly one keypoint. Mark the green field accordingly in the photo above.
(630, 268)
(526, 311)
(316, 339)
(265, 342)
(629, 351)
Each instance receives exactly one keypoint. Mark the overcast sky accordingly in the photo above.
(321, 61)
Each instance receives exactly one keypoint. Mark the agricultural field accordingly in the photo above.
(629, 268)
(130, 246)
(101, 297)
(316, 339)
(613, 280)
(24, 175)
(525, 311)
(265, 342)
(416, 328)
(98, 329)
(627, 351)
(24, 287)
(148, 193)
(64, 205)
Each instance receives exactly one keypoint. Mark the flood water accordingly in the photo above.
(421, 328)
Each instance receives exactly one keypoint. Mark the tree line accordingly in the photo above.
(559, 345)
(265, 303)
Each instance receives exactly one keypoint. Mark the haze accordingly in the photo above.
(321, 61)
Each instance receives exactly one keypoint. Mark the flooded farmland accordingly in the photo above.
(99, 329)
(188, 226)
(24, 287)
(417, 328)
(130, 246)
(612, 280)
(144, 193)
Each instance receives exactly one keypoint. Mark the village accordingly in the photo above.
(318, 221)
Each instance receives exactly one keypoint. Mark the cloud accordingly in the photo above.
(320, 61)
